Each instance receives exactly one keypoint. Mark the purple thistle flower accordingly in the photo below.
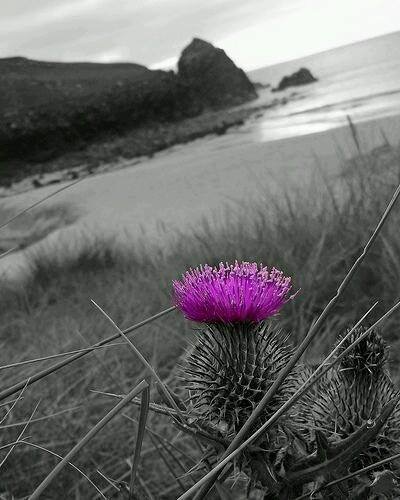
(231, 293)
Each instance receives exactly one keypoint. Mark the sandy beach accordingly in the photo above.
(179, 187)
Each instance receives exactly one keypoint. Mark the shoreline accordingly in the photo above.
(136, 146)
(177, 190)
(266, 115)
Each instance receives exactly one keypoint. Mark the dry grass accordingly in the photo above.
(314, 236)
(31, 226)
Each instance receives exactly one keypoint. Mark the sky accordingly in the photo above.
(254, 33)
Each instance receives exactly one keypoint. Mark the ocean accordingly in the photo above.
(361, 80)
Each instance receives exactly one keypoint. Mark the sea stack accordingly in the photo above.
(212, 76)
(301, 77)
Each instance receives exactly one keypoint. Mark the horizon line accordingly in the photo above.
(167, 67)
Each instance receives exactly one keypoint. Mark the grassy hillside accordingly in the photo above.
(108, 150)
(28, 83)
(314, 236)
(47, 108)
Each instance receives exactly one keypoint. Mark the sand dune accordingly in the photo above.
(180, 186)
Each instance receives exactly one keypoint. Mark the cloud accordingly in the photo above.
(53, 12)
(153, 32)
(147, 30)
(112, 55)
(166, 64)
(307, 27)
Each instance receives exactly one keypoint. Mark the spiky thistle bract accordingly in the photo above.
(238, 353)
(232, 368)
(226, 374)
(350, 418)
(353, 396)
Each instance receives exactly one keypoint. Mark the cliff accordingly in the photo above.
(212, 76)
(48, 108)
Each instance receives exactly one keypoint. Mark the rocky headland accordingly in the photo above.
(212, 76)
(49, 110)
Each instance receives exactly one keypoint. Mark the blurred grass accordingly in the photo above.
(32, 226)
(313, 235)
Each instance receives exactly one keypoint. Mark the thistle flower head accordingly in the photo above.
(231, 293)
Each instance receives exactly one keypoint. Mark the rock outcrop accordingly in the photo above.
(301, 77)
(48, 108)
(261, 86)
(212, 76)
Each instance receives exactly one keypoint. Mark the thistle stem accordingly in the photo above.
(353, 474)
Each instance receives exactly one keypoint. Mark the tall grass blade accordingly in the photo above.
(48, 371)
(7, 252)
(157, 445)
(108, 480)
(354, 134)
(54, 356)
(142, 359)
(19, 438)
(39, 202)
(145, 489)
(39, 419)
(50, 452)
(14, 402)
(156, 408)
(90, 435)
(144, 412)
(168, 446)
